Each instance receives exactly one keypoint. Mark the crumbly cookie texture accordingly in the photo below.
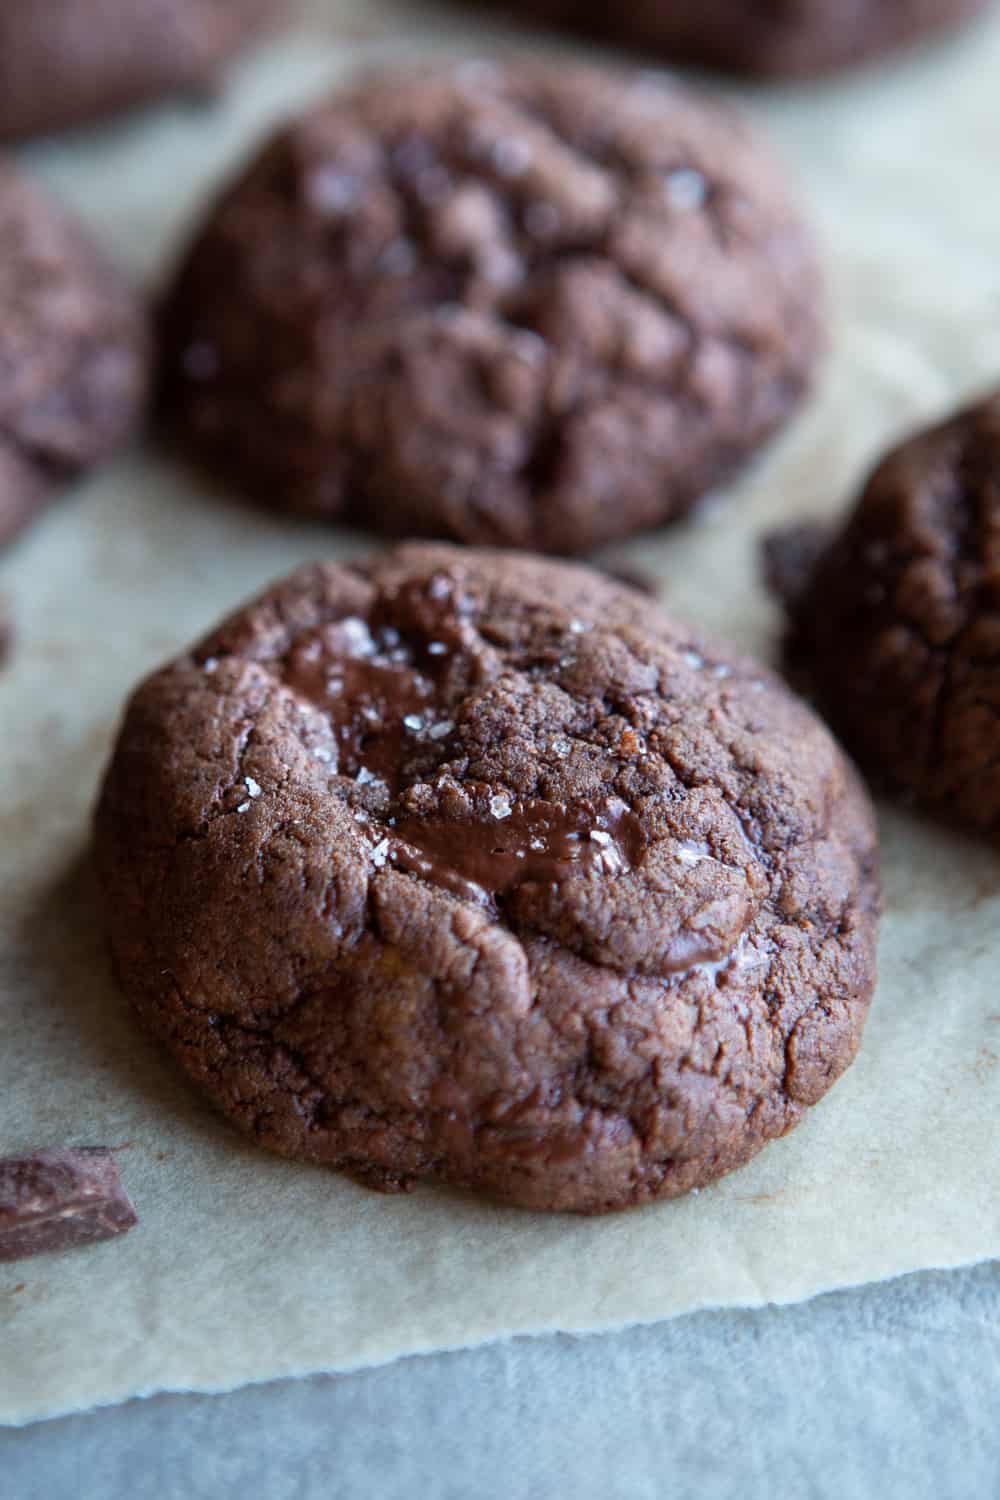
(74, 355)
(510, 305)
(471, 867)
(63, 63)
(786, 38)
(894, 622)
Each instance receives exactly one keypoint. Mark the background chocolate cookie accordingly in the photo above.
(895, 622)
(471, 867)
(769, 37)
(73, 350)
(536, 306)
(67, 62)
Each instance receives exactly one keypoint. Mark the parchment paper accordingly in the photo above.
(247, 1268)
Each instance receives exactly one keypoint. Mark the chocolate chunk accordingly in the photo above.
(58, 1199)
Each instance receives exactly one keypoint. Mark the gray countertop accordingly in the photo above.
(891, 1389)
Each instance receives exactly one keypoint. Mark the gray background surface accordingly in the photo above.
(890, 1390)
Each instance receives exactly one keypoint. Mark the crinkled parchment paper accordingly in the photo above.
(247, 1268)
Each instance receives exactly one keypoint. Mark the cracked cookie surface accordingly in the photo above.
(472, 867)
(509, 305)
(73, 351)
(894, 622)
(773, 38)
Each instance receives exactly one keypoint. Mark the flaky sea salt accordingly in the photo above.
(332, 190)
(686, 189)
(358, 635)
(511, 156)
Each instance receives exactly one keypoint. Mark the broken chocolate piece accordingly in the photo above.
(55, 1200)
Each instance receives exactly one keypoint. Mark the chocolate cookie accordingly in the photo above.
(767, 37)
(64, 62)
(894, 623)
(536, 306)
(73, 351)
(467, 866)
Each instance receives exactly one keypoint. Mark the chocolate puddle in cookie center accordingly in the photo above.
(383, 697)
(542, 843)
(378, 701)
(384, 682)
(523, 840)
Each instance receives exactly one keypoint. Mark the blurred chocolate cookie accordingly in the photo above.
(894, 621)
(471, 867)
(534, 306)
(769, 37)
(68, 62)
(74, 351)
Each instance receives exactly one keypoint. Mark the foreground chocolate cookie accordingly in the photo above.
(535, 306)
(894, 624)
(465, 866)
(767, 37)
(65, 62)
(74, 351)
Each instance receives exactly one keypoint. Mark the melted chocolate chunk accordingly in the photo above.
(522, 841)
